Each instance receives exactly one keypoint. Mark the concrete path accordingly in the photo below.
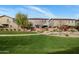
(37, 34)
(18, 34)
(65, 36)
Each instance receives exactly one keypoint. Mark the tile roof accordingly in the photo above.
(5, 16)
(50, 19)
(63, 19)
(38, 18)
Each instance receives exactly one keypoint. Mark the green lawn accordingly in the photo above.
(16, 32)
(39, 44)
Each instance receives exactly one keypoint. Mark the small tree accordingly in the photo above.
(77, 26)
(29, 25)
(22, 20)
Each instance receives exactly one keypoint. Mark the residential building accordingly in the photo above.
(53, 22)
(64, 21)
(8, 22)
(38, 22)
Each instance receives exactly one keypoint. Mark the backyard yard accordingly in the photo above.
(38, 44)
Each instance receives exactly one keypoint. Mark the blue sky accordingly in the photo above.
(43, 11)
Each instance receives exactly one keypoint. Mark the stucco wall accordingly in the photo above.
(9, 21)
(63, 22)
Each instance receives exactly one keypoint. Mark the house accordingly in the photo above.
(53, 22)
(38, 22)
(7, 22)
(64, 21)
(60, 23)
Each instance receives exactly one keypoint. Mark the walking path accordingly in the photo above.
(65, 36)
(38, 34)
(62, 34)
(18, 34)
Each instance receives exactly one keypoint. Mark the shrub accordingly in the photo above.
(56, 30)
(66, 35)
(1, 29)
(72, 30)
(6, 29)
(10, 29)
(14, 29)
(19, 30)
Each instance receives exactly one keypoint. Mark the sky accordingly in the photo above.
(41, 11)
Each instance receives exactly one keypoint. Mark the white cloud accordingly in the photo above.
(24, 9)
(5, 11)
(43, 11)
(10, 11)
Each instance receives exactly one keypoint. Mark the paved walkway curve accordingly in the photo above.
(32, 34)
(18, 34)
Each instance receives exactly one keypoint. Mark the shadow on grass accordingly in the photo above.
(74, 50)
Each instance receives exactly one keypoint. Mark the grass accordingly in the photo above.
(39, 44)
(16, 32)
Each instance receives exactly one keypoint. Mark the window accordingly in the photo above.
(37, 26)
(10, 25)
(69, 21)
(5, 25)
(72, 21)
(8, 21)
